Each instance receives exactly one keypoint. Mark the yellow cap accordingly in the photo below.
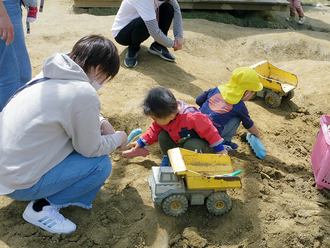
(242, 79)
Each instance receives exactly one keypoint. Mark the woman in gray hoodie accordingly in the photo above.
(52, 151)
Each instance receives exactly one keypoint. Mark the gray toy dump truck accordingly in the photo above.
(193, 178)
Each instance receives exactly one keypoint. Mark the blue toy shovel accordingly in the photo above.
(256, 146)
(133, 134)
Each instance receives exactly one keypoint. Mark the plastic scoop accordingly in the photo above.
(256, 146)
(133, 134)
(135, 153)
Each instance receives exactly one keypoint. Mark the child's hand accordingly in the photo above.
(223, 152)
(255, 131)
(123, 136)
(135, 145)
(257, 135)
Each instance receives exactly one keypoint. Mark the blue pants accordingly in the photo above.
(230, 128)
(74, 181)
(15, 65)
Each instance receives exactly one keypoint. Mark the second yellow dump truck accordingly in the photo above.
(194, 178)
(277, 83)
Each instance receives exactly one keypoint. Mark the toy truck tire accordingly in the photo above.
(218, 203)
(273, 100)
(175, 205)
(289, 96)
(254, 96)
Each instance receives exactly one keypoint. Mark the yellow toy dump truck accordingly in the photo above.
(277, 83)
(193, 178)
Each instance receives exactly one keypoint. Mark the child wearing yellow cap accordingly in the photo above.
(225, 107)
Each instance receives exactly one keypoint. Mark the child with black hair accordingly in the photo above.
(177, 124)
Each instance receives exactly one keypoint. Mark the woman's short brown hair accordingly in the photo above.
(96, 50)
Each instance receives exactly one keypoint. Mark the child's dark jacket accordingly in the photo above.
(220, 112)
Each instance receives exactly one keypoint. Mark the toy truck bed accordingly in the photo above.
(277, 83)
(274, 78)
(203, 171)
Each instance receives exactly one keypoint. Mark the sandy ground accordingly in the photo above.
(278, 205)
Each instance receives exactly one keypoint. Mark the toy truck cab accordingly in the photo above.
(192, 178)
(163, 182)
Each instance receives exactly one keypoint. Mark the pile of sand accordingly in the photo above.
(278, 205)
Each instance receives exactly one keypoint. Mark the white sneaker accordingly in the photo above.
(301, 20)
(49, 219)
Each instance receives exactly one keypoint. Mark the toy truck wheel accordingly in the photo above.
(273, 100)
(254, 96)
(175, 205)
(289, 95)
(218, 203)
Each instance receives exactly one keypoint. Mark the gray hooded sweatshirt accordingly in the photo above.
(45, 122)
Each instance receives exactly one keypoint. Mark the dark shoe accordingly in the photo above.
(161, 51)
(131, 58)
(230, 146)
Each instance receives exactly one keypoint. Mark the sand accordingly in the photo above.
(278, 205)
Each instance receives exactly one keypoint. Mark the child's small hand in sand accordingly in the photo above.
(135, 145)
(223, 152)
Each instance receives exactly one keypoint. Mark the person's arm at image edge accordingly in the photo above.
(6, 26)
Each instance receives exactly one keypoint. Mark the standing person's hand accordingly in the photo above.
(177, 44)
(6, 26)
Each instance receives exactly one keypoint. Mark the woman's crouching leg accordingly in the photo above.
(82, 192)
(74, 181)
